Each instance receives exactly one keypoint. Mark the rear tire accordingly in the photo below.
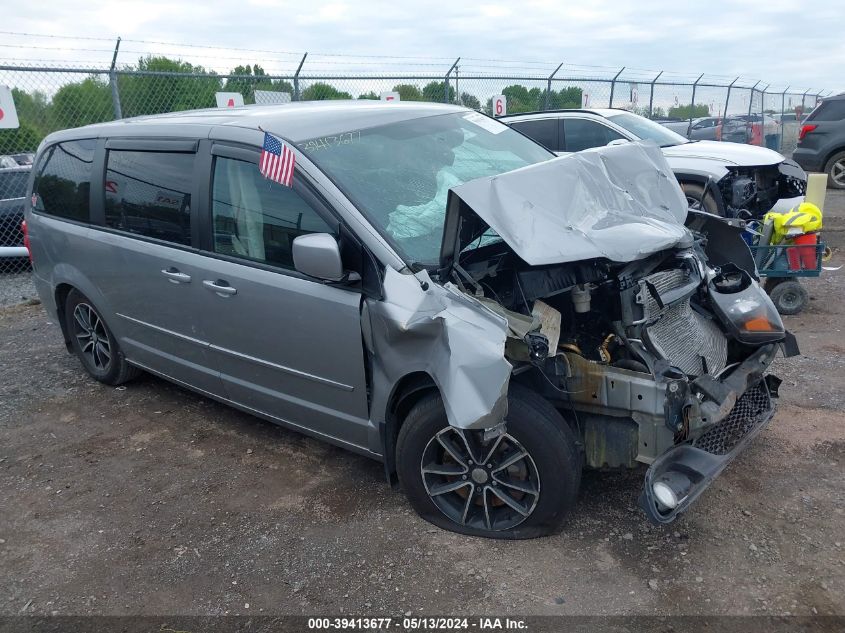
(93, 342)
(520, 485)
(694, 194)
(789, 297)
(835, 170)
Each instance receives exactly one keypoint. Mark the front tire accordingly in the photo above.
(93, 343)
(522, 484)
(697, 201)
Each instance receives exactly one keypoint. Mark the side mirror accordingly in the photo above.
(318, 255)
(618, 141)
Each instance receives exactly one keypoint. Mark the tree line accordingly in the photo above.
(90, 100)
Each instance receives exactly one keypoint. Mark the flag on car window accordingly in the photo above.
(277, 160)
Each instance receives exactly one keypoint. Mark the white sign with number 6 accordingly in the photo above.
(500, 105)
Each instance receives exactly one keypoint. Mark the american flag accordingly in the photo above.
(277, 160)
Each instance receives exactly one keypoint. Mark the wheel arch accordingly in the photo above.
(66, 277)
(831, 154)
(407, 391)
(60, 294)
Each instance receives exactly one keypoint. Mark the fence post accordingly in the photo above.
(549, 87)
(296, 78)
(613, 85)
(457, 86)
(727, 100)
(446, 81)
(115, 95)
(782, 112)
(749, 127)
(763, 116)
(803, 97)
(692, 104)
(651, 93)
(751, 99)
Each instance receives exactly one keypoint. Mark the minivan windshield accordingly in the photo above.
(399, 175)
(647, 130)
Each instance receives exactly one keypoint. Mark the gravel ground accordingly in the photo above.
(16, 288)
(148, 499)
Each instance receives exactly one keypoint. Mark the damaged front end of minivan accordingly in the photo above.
(585, 279)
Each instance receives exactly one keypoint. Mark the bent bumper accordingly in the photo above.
(689, 468)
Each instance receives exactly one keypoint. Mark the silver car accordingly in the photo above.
(434, 290)
(727, 179)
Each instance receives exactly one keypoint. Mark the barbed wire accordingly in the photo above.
(61, 37)
(345, 64)
(468, 64)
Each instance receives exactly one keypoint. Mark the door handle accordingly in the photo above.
(174, 276)
(220, 287)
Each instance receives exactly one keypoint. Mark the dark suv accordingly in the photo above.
(821, 142)
(13, 182)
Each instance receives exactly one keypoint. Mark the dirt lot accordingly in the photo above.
(150, 500)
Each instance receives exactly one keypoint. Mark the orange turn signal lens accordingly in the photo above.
(759, 324)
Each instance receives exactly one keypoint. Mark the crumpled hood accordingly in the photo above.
(738, 154)
(620, 202)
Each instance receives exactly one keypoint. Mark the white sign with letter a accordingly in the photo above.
(229, 99)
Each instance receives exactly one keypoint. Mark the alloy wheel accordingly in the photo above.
(93, 338)
(491, 485)
(837, 172)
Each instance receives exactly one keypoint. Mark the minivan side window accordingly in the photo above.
(583, 134)
(544, 131)
(256, 218)
(149, 193)
(63, 182)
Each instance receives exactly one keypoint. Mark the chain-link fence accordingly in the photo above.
(49, 98)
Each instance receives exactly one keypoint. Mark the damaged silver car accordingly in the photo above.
(434, 290)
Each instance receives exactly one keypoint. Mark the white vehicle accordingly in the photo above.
(721, 178)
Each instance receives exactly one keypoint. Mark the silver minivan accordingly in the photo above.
(433, 290)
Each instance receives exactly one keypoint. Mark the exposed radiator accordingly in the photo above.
(689, 341)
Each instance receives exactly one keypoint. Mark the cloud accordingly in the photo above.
(779, 41)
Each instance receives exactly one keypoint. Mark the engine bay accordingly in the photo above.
(754, 191)
(638, 350)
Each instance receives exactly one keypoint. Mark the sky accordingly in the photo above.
(782, 42)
